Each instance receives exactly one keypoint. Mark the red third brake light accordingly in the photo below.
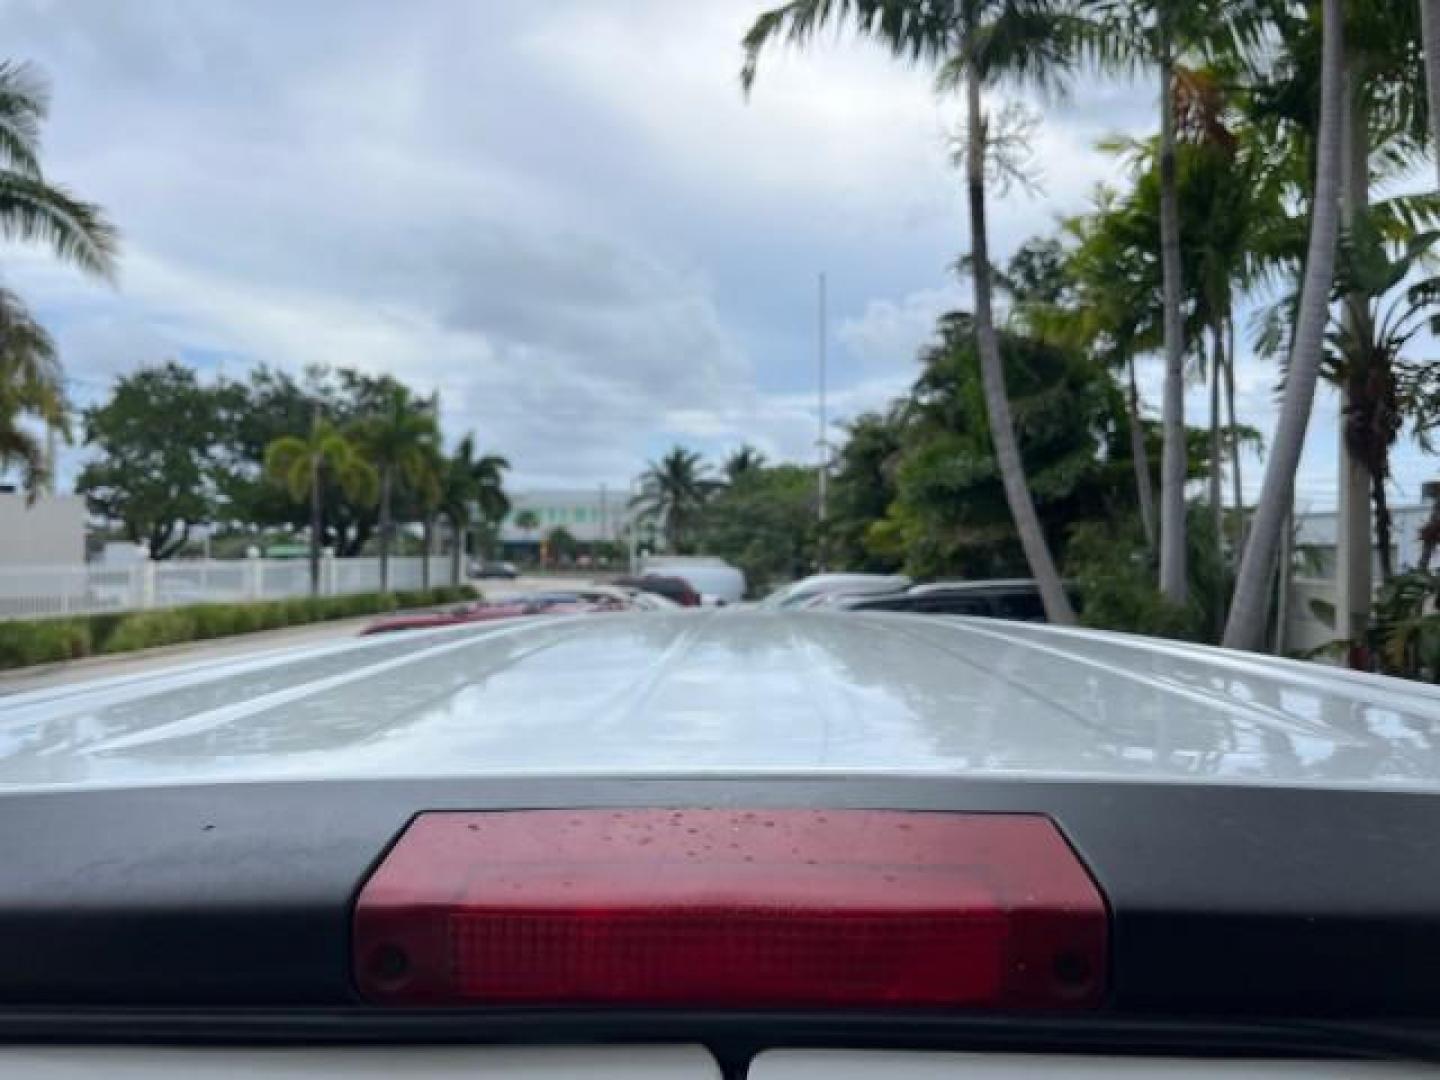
(719, 908)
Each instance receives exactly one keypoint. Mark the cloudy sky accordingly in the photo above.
(563, 216)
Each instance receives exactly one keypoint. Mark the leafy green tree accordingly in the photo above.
(561, 545)
(270, 404)
(399, 440)
(673, 494)
(154, 474)
(764, 522)
(863, 487)
(974, 44)
(31, 385)
(949, 514)
(304, 468)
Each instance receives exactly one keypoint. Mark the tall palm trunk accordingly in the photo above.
(1245, 628)
(1140, 458)
(1172, 462)
(385, 486)
(1430, 36)
(1217, 506)
(427, 542)
(1354, 542)
(992, 376)
(457, 547)
(315, 527)
(1383, 530)
(1237, 492)
(1217, 449)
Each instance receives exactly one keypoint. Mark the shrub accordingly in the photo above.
(217, 620)
(146, 629)
(41, 641)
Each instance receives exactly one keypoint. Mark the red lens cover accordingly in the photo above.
(731, 908)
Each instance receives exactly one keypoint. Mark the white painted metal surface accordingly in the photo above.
(734, 692)
(359, 1063)
(919, 1065)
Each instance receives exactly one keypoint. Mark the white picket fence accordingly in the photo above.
(37, 592)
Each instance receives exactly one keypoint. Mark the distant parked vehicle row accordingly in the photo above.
(504, 570)
(807, 591)
(713, 578)
(582, 600)
(675, 589)
(1000, 598)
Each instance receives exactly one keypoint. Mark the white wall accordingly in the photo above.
(50, 532)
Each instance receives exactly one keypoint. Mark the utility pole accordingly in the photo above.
(824, 446)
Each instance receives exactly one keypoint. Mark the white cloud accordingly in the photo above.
(891, 332)
(565, 217)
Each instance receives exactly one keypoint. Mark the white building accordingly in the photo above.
(590, 515)
(50, 532)
(1315, 539)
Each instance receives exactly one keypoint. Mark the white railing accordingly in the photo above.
(37, 592)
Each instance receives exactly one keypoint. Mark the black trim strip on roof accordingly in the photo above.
(1241, 901)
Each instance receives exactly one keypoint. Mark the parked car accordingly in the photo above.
(1017, 599)
(806, 590)
(672, 588)
(714, 579)
(505, 570)
(755, 844)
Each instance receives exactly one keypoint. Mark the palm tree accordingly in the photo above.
(469, 485)
(1430, 35)
(492, 503)
(302, 465)
(527, 521)
(1381, 318)
(974, 43)
(31, 384)
(1113, 317)
(673, 492)
(32, 209)
(427, 492)
(1245, 627)
(399, 440)
(1156, 33)
(747, 459)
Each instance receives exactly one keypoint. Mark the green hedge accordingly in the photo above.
(41, 641)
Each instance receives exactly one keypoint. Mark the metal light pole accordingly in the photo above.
(824, 465)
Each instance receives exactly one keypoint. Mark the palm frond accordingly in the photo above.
(78, 232)
(24, 102)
